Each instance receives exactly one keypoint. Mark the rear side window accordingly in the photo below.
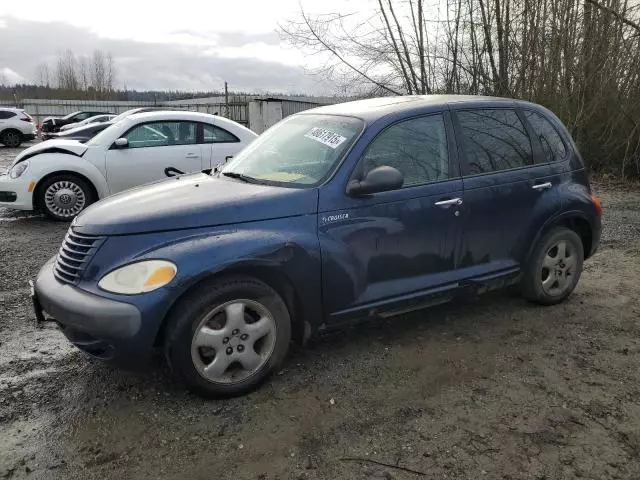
(553, 147)
(416, 147)
(213, 134)
(4, 114)
(494, 140)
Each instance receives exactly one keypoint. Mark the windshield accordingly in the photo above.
(117, 118)
(300, 150)
(67, 117)
(103, 136)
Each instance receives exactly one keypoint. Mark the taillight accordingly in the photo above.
(598, 204)
(26, 119)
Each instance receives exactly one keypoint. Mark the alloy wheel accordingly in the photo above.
(558, 267)
(233, 341)
(11, 139)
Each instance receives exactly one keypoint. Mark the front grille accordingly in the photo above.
(74, 255)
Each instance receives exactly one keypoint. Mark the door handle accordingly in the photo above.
(448, 203)
(542, 186)
(192, 155)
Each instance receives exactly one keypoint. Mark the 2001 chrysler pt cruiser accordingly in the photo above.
(368, 208)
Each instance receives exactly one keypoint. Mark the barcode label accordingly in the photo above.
(326, 137)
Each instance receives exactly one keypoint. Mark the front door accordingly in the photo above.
(510, 182)
(385, 251)
(155, 151)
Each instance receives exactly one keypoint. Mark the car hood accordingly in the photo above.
(72, 147)
(192, 201)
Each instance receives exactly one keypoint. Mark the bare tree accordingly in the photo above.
(581, 58)
(66, 70)
(83, 73)
(42, 75)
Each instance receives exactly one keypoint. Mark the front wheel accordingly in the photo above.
(554, 268)
(226, 337)
(64, 196)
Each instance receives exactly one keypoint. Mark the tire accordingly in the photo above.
(554, 267)
(11, 138)
(207, 330)
(64, 190)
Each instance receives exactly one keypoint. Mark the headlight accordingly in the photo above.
(19, 169)
(139, 277)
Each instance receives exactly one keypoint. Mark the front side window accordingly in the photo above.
(162, 134)
(416, 147)
(494, 140)
(301, 150)
(553, 147)
(214, 134)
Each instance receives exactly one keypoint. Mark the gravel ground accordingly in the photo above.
(490, 388)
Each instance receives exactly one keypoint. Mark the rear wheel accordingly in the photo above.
(64, 196)
(554, 267)
(225, 338)
(11, 138)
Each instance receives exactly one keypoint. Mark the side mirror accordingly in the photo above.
(380, 179)
(121, 143)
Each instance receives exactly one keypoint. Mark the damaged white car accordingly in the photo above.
(62, 177)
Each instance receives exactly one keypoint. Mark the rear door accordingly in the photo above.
(389, 250)
(508, 189)
(156, 150)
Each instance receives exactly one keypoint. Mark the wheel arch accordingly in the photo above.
(575, 221)
(12, 129)
(37, 191)
(271, 276)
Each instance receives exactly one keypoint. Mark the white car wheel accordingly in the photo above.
(65, 196)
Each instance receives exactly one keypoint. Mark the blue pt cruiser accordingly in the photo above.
(362, 209)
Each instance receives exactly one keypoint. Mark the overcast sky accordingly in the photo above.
(174, 44)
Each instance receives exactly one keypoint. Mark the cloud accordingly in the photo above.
(10, 77)
(195, 61)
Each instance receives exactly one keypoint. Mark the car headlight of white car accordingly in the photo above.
(140, 277)
(18, 169)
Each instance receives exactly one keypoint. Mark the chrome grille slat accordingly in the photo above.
(71, 254)
(74, 255)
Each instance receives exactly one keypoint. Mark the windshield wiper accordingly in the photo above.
(240, 176)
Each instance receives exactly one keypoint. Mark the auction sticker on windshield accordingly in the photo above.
(326, 137)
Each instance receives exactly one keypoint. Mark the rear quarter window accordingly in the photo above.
(553, 148)
(4, 114)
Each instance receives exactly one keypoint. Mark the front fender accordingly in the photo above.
(47, 163)
(288, 246)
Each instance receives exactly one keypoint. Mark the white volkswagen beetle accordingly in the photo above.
(62, 177)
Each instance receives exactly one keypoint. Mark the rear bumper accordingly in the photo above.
(102, 327)
(596, 233)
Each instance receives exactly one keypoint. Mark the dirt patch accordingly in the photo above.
(491, 388)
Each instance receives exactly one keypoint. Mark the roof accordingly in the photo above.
(173, 115)
(177, 115)
(374, 108)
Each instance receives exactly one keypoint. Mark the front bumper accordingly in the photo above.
(102, 327)
(14, 192)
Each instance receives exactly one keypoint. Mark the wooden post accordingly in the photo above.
(226, 99)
